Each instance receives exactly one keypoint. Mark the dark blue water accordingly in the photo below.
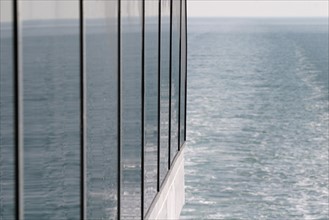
(257, 119)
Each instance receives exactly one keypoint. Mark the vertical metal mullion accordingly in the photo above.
(170, 76)
(83, 116)
(18, 115)
(159, 94)
(143, 107)
(119, 110)
(186, 43)
(180, 71)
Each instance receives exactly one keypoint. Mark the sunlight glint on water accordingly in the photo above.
(257, 119)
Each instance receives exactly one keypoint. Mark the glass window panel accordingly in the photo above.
(175, 77)
(131, 59)
(51, 69)
(7, 191)
(183, 71)
(151, 102)
(101, 70)
(164, 87)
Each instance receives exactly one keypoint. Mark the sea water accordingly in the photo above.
(257, 125)
(257, 119)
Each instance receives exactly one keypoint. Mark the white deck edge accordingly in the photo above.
(170, 199)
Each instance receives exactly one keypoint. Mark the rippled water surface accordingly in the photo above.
(257, 119)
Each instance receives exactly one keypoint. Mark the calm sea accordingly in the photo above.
(257, 122)
(257, 119)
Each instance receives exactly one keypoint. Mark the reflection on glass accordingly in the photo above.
(183, 70)
(101, 70)
(51, 70)
(131, 48)
(151, 102)
(164, 87)
(175, 77)
(7, 184)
